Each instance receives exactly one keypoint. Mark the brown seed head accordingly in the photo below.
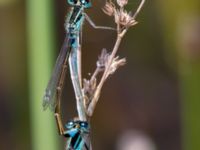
(109, 8)
(122, 3)
(124, 18)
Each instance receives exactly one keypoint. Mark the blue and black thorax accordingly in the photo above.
(78, 135)
(75, 19)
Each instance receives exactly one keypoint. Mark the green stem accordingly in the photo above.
(40, 47)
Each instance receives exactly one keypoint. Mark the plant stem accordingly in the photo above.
(105, 74)
(40, 27)
(96, 72)
(139, 8)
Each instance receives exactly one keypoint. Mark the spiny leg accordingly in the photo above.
(95, 26)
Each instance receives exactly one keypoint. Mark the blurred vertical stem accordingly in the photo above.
(182, 27)
(40, 18)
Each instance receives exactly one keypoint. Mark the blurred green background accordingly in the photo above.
(153, 101)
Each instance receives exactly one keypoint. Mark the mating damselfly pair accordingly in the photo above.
(76, 131)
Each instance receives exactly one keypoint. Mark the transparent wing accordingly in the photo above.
(49, 95)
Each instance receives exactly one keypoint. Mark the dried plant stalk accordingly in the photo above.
(109, 63)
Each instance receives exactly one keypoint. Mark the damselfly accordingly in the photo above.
(70, 51)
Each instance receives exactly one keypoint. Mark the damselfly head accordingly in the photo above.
(81, 125)
(84, 3)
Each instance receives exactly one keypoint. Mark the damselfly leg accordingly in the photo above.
(95, 26)
(59, 89)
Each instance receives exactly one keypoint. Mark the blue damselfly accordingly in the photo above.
(78, 132)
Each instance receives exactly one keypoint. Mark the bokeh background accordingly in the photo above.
(152, 103)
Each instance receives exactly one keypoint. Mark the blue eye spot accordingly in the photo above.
(69, 125)
(84, 124)
(72, 2)
(86, 3)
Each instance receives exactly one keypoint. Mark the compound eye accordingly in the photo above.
(84, 124)
(70, 125)
(86, 3)
(72, 2)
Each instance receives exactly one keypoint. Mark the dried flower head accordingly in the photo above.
(116, 63)
(122, 3)
(124, 18)
(89, 85)
(103, 59)
(109, 8)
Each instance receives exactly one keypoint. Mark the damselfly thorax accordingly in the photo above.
(77, 135)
